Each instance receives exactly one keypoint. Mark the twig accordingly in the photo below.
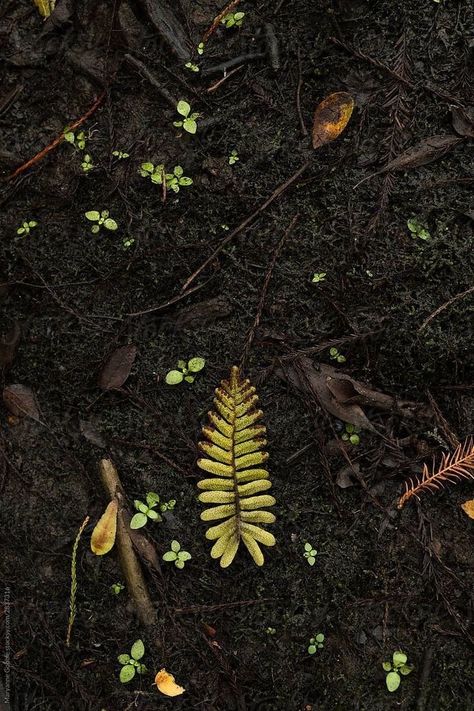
(425, 675)
(217, 84)
(304, 130)
(146, 74)
(224, 66)
(72, 127)
(217, 20)
(170, 302)
(445, 306)
(276, 193)
(263, 296)
(223, 606)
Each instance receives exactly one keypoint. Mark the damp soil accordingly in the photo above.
(383, 579)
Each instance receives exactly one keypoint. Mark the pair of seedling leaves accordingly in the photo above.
(157, 175)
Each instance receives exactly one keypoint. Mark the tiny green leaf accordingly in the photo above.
(174, 377)
(387, 666)
(178, 171)
(110, 224)
(183, 108)
(179, 564)
(184, 555)
(138, 521)
(196, 364)
(175, 546)
(92, 215)
(399, 658)
(124, 658)
(320, 637)
(189, 378)
(190, 125)
(393, 681)
(138, 649)
(154, 515)
(169, 556)
(127, 673)
(312, 649)
(95, 229)
(152, 499)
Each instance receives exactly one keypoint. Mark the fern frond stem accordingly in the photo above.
(234, 384)
(72, 595)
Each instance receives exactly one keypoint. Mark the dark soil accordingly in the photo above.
(384, 579)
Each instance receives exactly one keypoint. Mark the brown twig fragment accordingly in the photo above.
(453, 467)
(217, 20)
(444, 306)
(59, 139)
(131, 569)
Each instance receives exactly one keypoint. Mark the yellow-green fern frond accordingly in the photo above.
(233, 453)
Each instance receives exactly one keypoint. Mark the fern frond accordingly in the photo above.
(452, 468)
(233, 451)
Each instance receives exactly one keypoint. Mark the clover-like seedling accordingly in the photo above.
(200, 48)
(116, 588)
(121, 155)
(26, 227)
(397, 666)
(186, 372)
(78, 140)
(176, 555)
(233, 19)
(100, 219)
(146, 511)
(335, 355)
(270, 631)
(417, 229)
(189, 119)
(192, 68)
(315, 643)
(128, 242)
(234, 157)
(310, 553)
(157, 174)
(351, 434)
(131, 662)
(167, 505)
(87, 163)
(318, 278)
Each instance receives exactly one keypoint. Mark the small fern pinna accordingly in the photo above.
(234, 454)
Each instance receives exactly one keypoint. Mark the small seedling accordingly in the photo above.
(310, 553)
(192, 67)
(100, 218)
(233, 19)
(173, 180)
(317, 278)
(146, 511)
(397, 666)
(168, 505)
(270, 631)
(316, 643)
(176, 555)
(128, 242)
(417, 229)
(351, 434)
(131, 662)
(116, 588)
(200, 48)
(189, 119)
(87, 163)
(121, 155)
(335, 355)
(234, 157)
(78, 140)
(26, 227)
(186, 371)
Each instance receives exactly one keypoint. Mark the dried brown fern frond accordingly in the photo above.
(452, 468)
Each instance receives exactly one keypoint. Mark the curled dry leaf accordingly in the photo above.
(426, 151)
(21, 401)
(117, 369)
(103, 535)
(463, 120)
(331, 117)
(468, 508)
(166, 684)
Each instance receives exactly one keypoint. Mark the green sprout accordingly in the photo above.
(200, 48)
(397, 666)
(315, 643)
(146, 511)
(173, 180)
(270, 631)
(335, 355)
(176, 555)
(417, 229)
(233, 19)
(186, 371)
(192, 68)
(87, 163)
(131, 662)
(317, 278)
(121, 155)
(116, 588)
(351, 434)
(234, 157)
(100, 218)
(189, 120)
(128, 242)
(310, 553)
(78, 140)
(26, 227)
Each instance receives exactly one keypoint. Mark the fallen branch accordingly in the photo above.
(146, 74)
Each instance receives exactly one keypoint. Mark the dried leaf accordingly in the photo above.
(344, 478)
(45, 7)
(8, 345)
(145, 548)
(426, 151)
(468, 507)
(463, 121)
(166, 684)
(331, 117)
(20, 401)
(103, 535)
(118, 367)
(89, 432)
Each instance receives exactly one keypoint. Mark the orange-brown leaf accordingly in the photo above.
(331, 117)
(103, 535)
(468, 508)
(166, 684)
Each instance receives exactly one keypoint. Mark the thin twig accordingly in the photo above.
(445, 306)
(217, 20)
(217, 84)
(170, 302)
(304, 130)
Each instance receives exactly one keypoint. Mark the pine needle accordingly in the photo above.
(72, 595)
(452, 468)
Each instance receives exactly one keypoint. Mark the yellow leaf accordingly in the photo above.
(331, 117)
(103, 535)
(45, 7)
(166, 684)
(468, 507)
